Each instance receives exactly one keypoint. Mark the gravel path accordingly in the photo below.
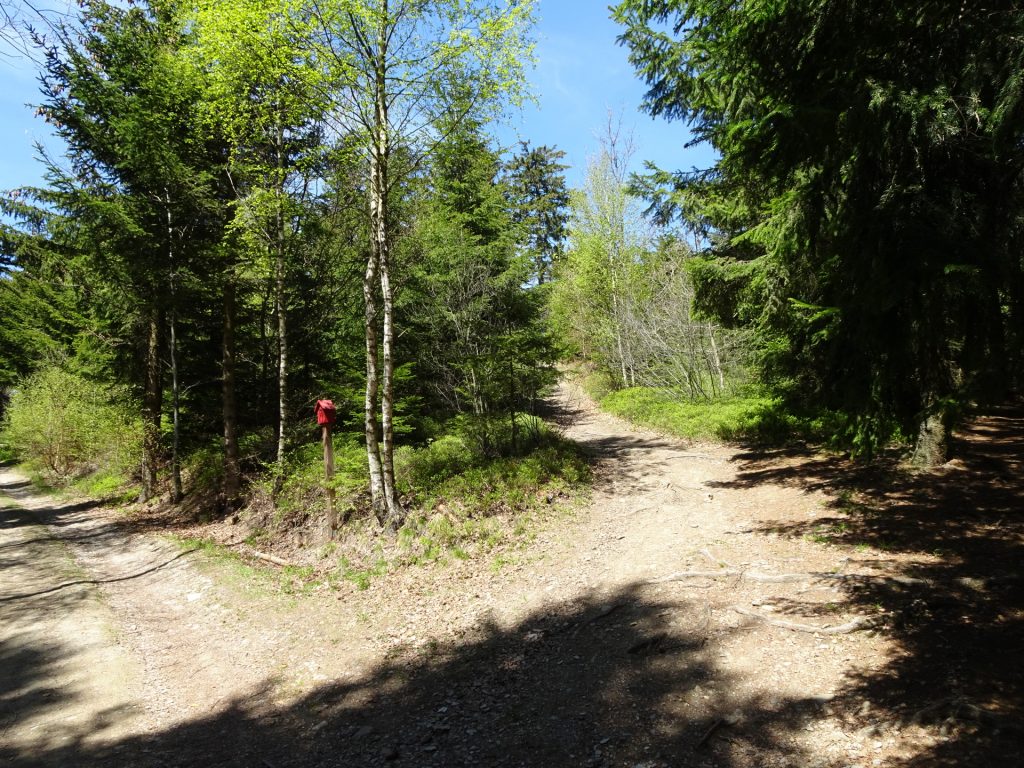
(644, 631)
(66, 679)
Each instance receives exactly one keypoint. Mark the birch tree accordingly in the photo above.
(608, 238)
(401, 67)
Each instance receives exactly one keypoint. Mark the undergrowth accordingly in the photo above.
(747, 416)
(463, 498)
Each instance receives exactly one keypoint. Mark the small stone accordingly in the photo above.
(390, 753)
(363, 732)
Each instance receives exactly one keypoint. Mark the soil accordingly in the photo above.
(710, 606)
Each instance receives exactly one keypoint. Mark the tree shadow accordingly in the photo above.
(623, 680)
(952, 589)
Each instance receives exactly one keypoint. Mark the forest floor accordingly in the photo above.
(709, 606)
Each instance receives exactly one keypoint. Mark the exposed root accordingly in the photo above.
(766, 578)
(861, 622)
(959, 708)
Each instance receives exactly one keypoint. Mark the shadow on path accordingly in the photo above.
(623, 680)
(957, 612)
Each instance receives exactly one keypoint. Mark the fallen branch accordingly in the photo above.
(787, 578)
(708, 733)
(726, 569)
(715, 560)
(767, 578)
(727, 720)
(960, 708)
(270, 558)
(861, 622)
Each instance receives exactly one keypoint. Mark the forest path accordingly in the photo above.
(637, 632)
(65, 680)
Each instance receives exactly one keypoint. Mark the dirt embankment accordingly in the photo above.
(709, 607)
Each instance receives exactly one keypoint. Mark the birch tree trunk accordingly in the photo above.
(176, 490)
(279, 300)
(372, 381)
(383, 453)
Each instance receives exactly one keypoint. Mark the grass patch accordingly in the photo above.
(727, 419)
(108, 486)
(240, 573)
(748, 416)
(362, 577)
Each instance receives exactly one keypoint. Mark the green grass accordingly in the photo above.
(746, 416)
(237, 571)
(469, 504)
(362, 577)
(731, 418)
(105, 485)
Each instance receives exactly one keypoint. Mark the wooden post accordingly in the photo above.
(332, 515)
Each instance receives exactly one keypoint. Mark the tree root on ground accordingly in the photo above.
(958, 708)
(860, 622)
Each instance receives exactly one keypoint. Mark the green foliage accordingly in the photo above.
(362, 577)
(864, 216)
(65, 425)
(540, 205)
(471, 504)
(204, 469)
(729, 419)
(478, 334)
(624, 296)
(452, 471)
(449, 470)
(107, 484)
(743, 417)
(592, 294)
(214, 185)
(303, 478)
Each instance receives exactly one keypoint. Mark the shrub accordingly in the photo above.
(66, 425)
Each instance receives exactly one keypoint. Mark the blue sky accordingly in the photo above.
(581, 74)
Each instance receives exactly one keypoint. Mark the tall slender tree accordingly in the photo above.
(402, 66)
(264, 97)
(116, 94)
(540, 204)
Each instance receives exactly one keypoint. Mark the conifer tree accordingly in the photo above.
(864, 215)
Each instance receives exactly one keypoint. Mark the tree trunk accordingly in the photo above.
(381, 456)
(152, 400)
(931, 446)
(279, 298)
(387, 400)
(372, 385)
(176, 491)
(716, 361)
(232, 472)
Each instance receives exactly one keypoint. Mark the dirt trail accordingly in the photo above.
(614, 639)
(65, 680)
